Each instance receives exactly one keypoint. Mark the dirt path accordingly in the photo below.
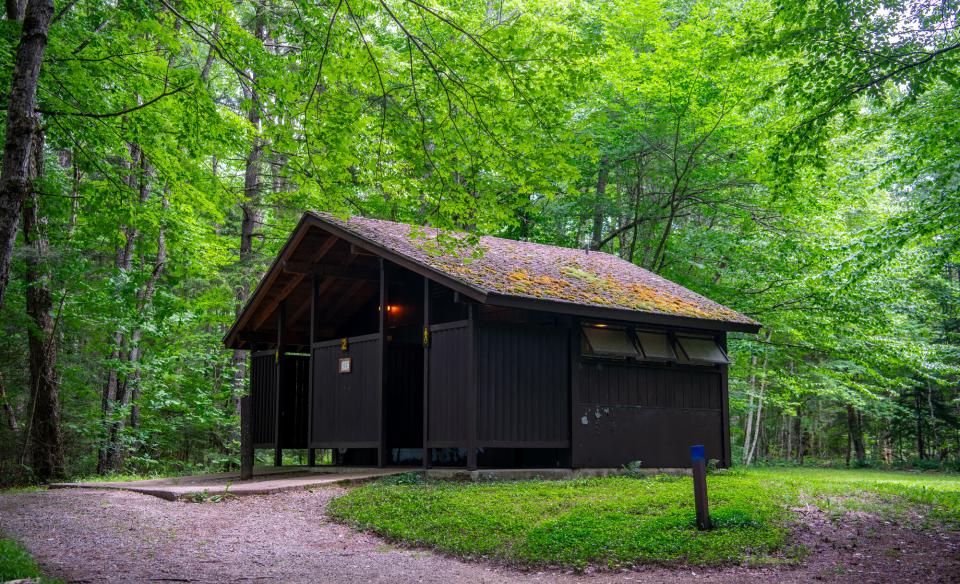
(114, 536)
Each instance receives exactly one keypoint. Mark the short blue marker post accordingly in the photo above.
(699, 465)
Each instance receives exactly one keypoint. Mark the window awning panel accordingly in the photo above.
(701, 351)
(609, 342)
(655, 346)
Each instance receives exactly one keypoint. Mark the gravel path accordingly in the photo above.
(115, 536)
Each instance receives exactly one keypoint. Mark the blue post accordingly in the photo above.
(699, 465)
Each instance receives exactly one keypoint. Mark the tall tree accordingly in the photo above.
(44, 435)
(21, 122)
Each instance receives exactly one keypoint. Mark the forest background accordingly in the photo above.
(796, 160)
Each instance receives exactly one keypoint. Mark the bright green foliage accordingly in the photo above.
(794, 160)
(15, 562)
(623, 521)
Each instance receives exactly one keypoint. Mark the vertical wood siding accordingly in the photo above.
(523, 386)
(345, 404)
(449, 380)
(403, 397)
(263, 396)
(651, 413)
(294, 400)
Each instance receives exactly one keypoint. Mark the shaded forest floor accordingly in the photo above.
(111, 536)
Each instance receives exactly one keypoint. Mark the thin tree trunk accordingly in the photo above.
(934, 438)
(7, 407)
(758, 424)
(598, 205)
(921, 450)
(144, 301)
(43, 434)
(18, 143)
(855, 432)
(798, 433)
(748, 424)
(749, 452)
(15, 9)
(252, 219)
(116, 396)
(849, 444)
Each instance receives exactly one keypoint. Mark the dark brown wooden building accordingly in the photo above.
(368, 339)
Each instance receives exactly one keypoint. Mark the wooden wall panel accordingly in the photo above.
(449, 380)
(294, 400)
(345, 404)
(523, 386)
(263, 397)
(653, 413)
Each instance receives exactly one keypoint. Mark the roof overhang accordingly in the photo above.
(311, 220)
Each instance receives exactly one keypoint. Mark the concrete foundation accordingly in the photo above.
(550, 474)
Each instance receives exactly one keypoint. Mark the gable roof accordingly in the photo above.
(505, 272)
(495, 266)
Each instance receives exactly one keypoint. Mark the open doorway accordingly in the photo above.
(403, 374)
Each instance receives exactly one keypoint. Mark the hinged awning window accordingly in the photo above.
(655, 346)
(609, 342)
(701, 351)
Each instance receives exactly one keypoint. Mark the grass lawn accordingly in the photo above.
(619, 521)
(16, 563)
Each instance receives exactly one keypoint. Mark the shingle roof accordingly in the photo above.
(541, 272)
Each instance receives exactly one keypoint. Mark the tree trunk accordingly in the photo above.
(934, 438)
(252, 218)
(43, 432)
(748, 423)
(7, 407)
(921, 450)
(14, 9)
(798, 433)
(116, 394)
(859, 445)
(18, 143)
(144, 300)
(849, 443)
(598, 205)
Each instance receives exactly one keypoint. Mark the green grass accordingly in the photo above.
(622, 521)
(16, 563)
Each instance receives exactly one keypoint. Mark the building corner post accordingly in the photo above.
(381, 413)
(246, 439)
(472, 401)
(281, 339)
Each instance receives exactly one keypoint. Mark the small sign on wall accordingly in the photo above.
(345, 365)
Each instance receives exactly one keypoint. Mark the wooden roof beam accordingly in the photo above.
(325, 247)
(326, 271)
(321, 290)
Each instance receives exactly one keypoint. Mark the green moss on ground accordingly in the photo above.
(16, 563)
(622, 521)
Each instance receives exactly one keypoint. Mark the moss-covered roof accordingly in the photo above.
(538, 271)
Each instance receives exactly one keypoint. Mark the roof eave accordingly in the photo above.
(229, 339)
(312, 219)
(399, 259)
(621, 314)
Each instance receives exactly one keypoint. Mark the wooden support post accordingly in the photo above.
(281, 323)
(726, 459)
(699, 465)
(246, 439)
(426, 372)
(472, 402)
(311, 452)
(382, 439)
(574, 356)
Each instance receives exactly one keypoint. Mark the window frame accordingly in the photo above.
(587, 349)
(687, 360)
